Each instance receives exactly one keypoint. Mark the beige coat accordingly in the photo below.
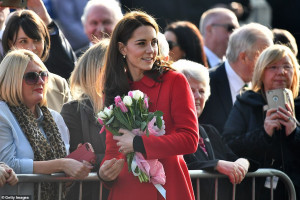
(58, 92)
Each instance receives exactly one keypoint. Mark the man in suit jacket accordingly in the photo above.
(216, 25)
(227, 80)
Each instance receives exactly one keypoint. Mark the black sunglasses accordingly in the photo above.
(228, 27)
(172, 44)
(32, 78)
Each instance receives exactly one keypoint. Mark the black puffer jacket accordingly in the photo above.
(244, 133)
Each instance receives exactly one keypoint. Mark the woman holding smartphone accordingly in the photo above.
(270, 136)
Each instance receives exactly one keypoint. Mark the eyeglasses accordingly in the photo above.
(229, 27)
(32, 78)
(172, 44)
(276, 68)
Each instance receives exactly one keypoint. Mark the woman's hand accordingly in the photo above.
(3, 175)
(235, 171)
(271, 122)
(111, 169)
(12, 179)
(125, 141)
(286, 118)
(7, 175)
(76, 169)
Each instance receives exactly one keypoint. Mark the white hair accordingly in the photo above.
(194, 70)
(112, 5)
(244, 39)
(163, 44)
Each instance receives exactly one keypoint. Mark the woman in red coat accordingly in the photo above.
(133, 63)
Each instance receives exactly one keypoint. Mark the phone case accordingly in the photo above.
(84, 152)
(14, 3)
(280, 97)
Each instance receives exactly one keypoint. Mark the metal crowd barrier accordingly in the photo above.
(199, 174)
(60, 178)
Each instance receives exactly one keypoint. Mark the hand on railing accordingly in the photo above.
(7, 175)
(76, 169)
(236, 171)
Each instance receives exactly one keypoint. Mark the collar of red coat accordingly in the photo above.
(147, 81)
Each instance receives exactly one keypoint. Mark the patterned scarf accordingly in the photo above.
(43, 149)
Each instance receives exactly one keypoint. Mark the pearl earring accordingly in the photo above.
(124, 56)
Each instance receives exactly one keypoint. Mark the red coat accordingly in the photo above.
(173, 97)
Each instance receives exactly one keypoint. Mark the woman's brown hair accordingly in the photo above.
(33, 27)
(115, 73)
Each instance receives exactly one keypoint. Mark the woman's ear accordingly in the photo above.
(122, 48)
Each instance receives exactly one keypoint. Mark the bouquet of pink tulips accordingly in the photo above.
(131, 112)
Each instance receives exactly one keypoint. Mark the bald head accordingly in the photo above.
(216, 25)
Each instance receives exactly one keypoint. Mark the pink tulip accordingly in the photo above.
(146, 99)
(119, 103)
(100, 121)
(130, 93)
(117, 99)
(122, 106)
(102, 129)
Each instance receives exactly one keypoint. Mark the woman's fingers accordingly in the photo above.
(111, 169)
(125, 141)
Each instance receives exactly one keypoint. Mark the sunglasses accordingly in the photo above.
(172, 44)
(32, 78)
(228, 27)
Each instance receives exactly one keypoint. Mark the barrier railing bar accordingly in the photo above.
(262, 172)
(61, 177)
(101, 191)
(253, 188)
(60, 190)
(233, 191)
(198, 189)
(80, 190)
(216, 188)
(39, 190)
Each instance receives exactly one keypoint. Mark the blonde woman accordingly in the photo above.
(270, 136)
(34, 139)
(79, 114)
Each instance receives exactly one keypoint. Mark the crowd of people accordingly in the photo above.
(210, 82)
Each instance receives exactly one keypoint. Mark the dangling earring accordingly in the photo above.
(124, 56)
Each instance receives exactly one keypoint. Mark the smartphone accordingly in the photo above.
(280, 97)
(14, 3)
(84, 152)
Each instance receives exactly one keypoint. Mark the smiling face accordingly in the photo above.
(140, 51)
(198, 90)
(99, 24)
(278, 75)
(22, 41)
(33, 94)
